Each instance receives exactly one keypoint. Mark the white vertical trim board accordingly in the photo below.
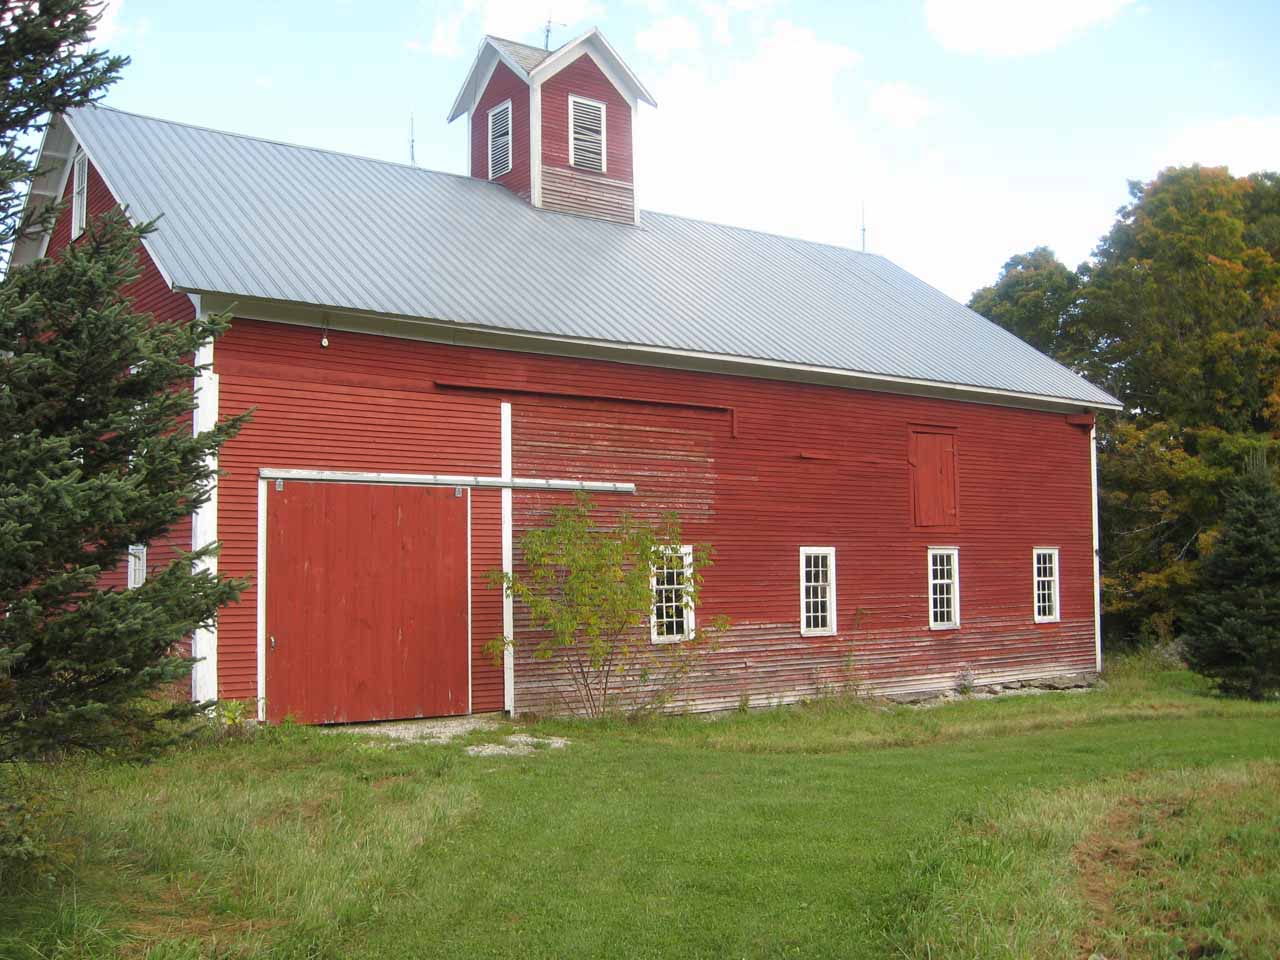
(535, 143)
(1097, 560)
(470, 648)
(204, 526)
(262, 599)
(830, 628)
(79, 194)
(508, 565)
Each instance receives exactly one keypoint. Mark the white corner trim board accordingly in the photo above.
(204, 527)
(508, 566)
(1097, 561)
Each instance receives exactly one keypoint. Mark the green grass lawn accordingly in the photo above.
(1142, 821)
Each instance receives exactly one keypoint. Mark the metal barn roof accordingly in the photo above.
(255, 218)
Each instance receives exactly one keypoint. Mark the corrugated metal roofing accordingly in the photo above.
(528, 57)
(256, 218)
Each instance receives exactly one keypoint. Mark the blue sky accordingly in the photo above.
(970, 129)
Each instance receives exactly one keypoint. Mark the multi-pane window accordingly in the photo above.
(944, 587)
(500, 140)
(1045, 562)
(79, 194)
(817, 591)
(586, 134)
(672, 618)
(137, 565)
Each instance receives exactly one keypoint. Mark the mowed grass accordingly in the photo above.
(1142, 821)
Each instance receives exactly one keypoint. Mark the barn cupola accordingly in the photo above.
(554, 126)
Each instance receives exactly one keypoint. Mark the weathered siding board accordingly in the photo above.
(588, 195)
(566, 188)
(503, 85)
(810, 465)
(150, 294)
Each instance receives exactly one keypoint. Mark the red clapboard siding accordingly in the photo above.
(150, 294)
(503, 85)
(583, 78)
(809, 466)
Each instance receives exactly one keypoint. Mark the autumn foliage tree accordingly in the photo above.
(1177, 313)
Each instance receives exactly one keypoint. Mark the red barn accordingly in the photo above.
(893, 486)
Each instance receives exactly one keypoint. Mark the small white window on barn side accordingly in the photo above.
(672, 618)
(817, 591)
(1044, 562)
(586, 135)
(944, 588)
(79, 194)
(500, 140)
(137, 566)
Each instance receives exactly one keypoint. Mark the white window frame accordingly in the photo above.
(79, 193)
(604, 133)
(954, 553)
(511, 138)
(686, 555)
(1035, 585)
(137, 571)
(830, 628)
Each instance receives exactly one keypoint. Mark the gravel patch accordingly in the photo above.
(517, 745)
(440, 730)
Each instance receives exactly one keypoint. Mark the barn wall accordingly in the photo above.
(150, 294)
(610, 195)
(809, 465)
(503, 85)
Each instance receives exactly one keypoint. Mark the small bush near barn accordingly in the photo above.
(590, 586)
(1141, 822)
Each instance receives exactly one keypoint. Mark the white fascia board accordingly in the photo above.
(486, 46)
(441, 331)
(605, 57)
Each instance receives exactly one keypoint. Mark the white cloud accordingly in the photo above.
(1012, 28)
(109, 26)
(901, 104)
(458, 30)
(1243, 144)
(723, 15)
(748, 124)
(669, 37)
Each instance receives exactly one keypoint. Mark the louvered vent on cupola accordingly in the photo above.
(586, 135)
(500, 140)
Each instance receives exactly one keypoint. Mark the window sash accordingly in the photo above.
(817, 591)
(137, 570)
(588, 148)
(501, 146)
(79, 194)
(1045, 584)
(671, 618)
(944, 588)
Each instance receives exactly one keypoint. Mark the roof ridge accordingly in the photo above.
(519, 43)
(460, 176)
(278, 143)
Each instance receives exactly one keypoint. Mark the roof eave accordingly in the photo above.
(465, 334)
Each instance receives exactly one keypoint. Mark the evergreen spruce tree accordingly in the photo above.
(1233, 624)
(96, 446)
